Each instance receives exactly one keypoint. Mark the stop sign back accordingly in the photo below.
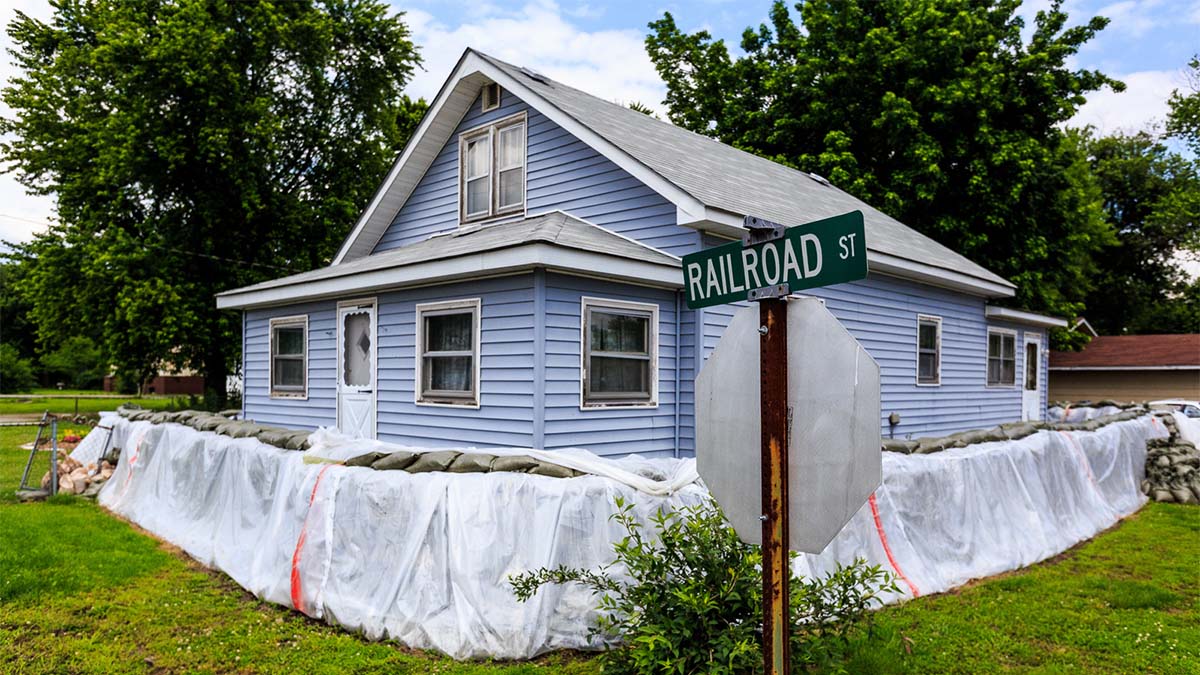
(834, 459)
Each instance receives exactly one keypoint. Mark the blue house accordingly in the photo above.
(516, 281)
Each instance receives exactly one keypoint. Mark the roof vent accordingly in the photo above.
(534, 75)
(820, 179)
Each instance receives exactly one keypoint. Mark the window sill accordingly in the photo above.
(646, 405)
(289, 397)
(929, 384)
(468, 405)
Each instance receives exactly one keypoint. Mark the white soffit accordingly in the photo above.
(1022, 317)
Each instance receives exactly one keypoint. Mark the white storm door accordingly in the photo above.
(1031, 387)
(356, 369)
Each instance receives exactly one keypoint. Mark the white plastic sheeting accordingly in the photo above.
(1080, 414)
(96, 444)
(424, 558)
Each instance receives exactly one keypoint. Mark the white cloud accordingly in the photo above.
(21, 214)
(611, 64)
(1141, 107)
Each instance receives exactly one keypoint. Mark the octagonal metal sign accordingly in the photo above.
(834, 459)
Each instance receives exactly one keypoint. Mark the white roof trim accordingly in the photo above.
(1135, 368)
(1027, 318)
(466, 267)
(444, 115)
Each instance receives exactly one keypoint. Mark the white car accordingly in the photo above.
(1189, 408)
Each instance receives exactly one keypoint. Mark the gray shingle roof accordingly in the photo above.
(556, 228)
(732, 180)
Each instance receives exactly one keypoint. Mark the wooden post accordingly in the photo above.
(773, 369)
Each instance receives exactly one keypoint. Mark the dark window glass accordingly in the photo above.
(618, 357)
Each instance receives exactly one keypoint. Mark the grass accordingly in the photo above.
(83, 592)
(61, 403)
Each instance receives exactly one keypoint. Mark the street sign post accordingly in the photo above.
(816, 413)
(821, 253)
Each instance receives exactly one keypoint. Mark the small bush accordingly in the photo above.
(693, 599)
(16, 373)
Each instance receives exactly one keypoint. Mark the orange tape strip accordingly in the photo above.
(1082, 457)
(297, 594)
(888, 549)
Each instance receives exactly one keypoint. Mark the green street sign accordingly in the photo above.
(821, 253)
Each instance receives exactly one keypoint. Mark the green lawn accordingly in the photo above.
(83, 592)
(62, 404)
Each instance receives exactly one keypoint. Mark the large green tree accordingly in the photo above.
(194, 146)
(935, 111)
(1152, 199)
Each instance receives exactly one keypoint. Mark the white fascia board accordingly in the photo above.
(1026, 318)
(474, 266)
(894, 266)
(1121, 368)
(442, 114)
(434, 115)
(669, 191)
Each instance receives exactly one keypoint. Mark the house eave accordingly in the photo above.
(1023, 317)
(473, 266)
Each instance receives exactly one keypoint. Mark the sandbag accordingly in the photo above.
(897, 445)
(298, 440)
(472, 462)
(439, 460)
(399, 460)
(514, 463)
(552, 470)
(274, 436)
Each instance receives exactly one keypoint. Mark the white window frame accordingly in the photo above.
(447, 307)
(587, 303)
(491, 131)
(987, 358)
(300, 320)
(936, 320)
(483, 106)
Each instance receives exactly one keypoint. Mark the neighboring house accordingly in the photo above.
(516, 281)
(165, 382)
(1128, 368)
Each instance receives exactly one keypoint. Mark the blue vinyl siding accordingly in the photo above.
(320, 408)
(604, 431)
(563, 173)
(881, 313)
(505, 415)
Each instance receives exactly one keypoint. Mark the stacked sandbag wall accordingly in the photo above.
(1172, 468)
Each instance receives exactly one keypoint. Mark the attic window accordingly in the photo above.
(492, 169)
(491, 96)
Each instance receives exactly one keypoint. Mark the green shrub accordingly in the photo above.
(78, 361)
(693, 599)
(16, 373)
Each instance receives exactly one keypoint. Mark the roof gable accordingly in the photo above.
(690, 170)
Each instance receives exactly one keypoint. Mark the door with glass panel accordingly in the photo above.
(1031, 394)
(356, 369)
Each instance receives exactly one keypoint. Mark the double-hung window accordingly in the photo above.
(448, 353)
(492, 168)
(289, 357)
(1001, 358)
(620, 353)
(929, 350)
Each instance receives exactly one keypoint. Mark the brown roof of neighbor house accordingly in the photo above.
(1129, 352)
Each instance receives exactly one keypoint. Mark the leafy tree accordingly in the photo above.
(1152, 199)
(78, 361)
(15, 328)
(194, 146)
(16, 373)
(935, 111)
(1183, 120)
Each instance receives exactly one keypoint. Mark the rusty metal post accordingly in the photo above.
(776, 571)
(54, 456)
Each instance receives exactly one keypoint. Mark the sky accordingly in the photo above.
(598, 47)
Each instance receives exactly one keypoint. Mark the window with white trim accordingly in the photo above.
(492, 169)
(448, 352)
(1001, 358)
(620, 353)
(289, 357)
(929, 350)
